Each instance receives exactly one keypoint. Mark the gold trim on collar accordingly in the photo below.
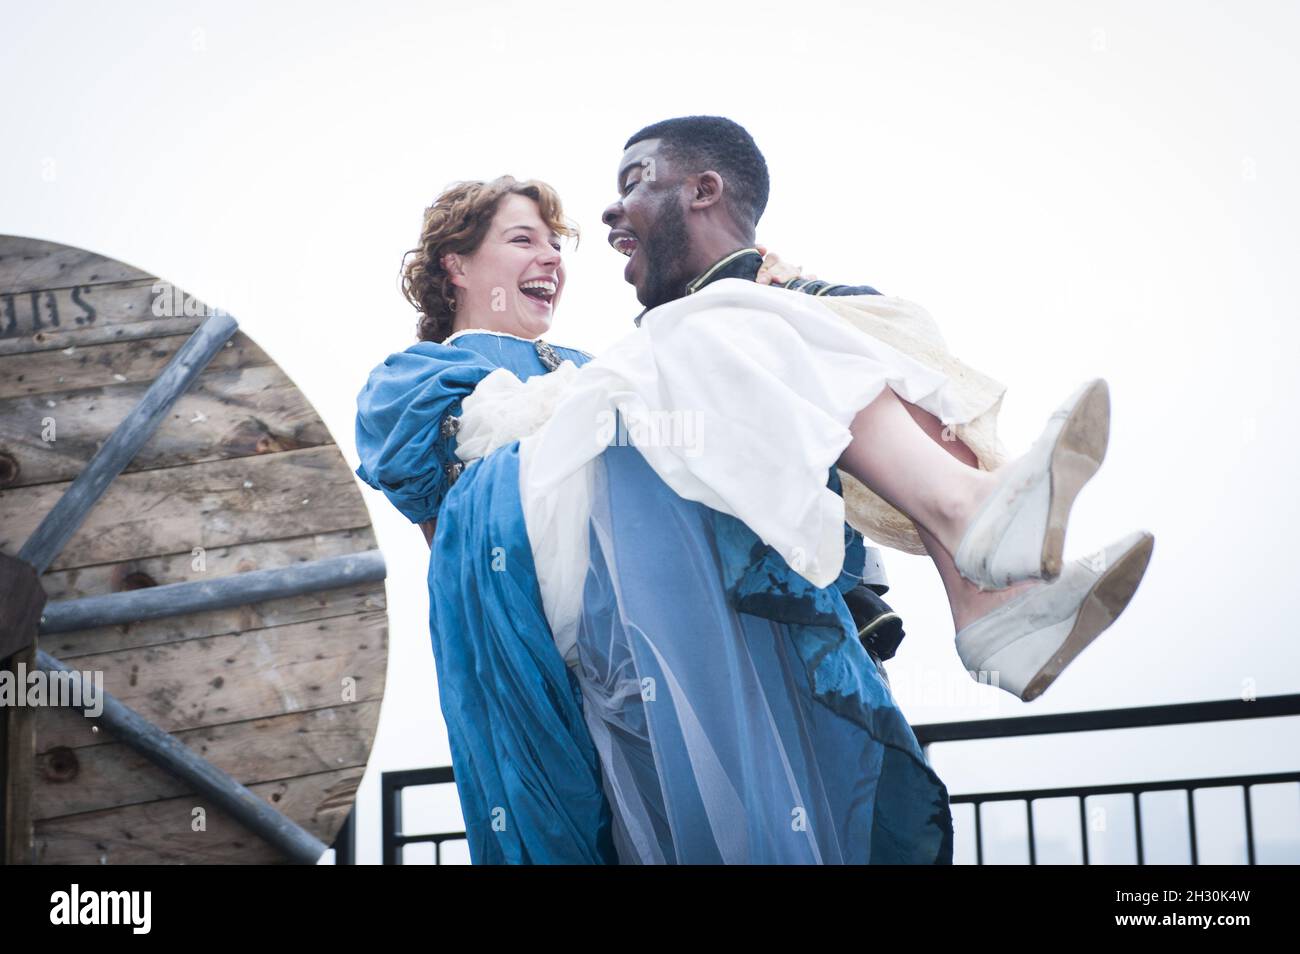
(876, 623)
(695, 283)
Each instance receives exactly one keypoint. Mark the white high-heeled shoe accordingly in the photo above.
(1024, 644)
(1019, 531)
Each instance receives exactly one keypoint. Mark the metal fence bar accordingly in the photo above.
(1083, 827)
(1250, 827)
(1265, 707)
(345, 842)
(1029, 818)
(1125, 788)
(1137, 826)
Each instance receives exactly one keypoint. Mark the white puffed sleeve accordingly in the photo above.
(503, 409)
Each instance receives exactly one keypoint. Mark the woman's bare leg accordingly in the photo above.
(950, 485)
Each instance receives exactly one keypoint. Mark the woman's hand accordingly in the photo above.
(773, 271)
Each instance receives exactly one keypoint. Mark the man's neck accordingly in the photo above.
(740, 261)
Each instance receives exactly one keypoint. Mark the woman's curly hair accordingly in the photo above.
(457, 222)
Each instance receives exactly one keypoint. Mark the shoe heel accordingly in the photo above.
(1079, 451)
(1102, 606)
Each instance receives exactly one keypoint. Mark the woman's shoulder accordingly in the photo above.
(405, 433)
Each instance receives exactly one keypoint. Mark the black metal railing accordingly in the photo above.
(1109, 719)
(392, 783)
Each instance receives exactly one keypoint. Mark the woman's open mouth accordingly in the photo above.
(539, 291)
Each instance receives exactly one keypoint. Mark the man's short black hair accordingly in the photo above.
(714, 142)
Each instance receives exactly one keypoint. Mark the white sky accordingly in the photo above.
(1071, 189)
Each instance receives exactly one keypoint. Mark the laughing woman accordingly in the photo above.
(486, 277)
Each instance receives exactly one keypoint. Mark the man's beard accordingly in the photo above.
(665, 250)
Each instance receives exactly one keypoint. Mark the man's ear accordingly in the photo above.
(708, 190)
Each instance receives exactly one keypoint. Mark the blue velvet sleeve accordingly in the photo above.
(401, 442)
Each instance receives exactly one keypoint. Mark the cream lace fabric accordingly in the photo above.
(908, 327)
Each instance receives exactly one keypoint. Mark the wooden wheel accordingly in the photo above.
(206, 550)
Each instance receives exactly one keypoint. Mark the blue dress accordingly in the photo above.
(717, 708)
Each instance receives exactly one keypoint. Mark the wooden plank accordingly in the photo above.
(120, 362)
(215, 680)
(94, 314)
(210, 504)
(28, 264)
(59, 340)
(161, 832)
(225, 413)
(90, 778)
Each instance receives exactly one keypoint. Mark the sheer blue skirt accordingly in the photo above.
(726, 737)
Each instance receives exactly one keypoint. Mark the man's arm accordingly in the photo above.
(816, 286)
(427, 529)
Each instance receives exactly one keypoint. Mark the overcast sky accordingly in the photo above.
(1072, 189)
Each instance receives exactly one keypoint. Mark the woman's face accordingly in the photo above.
(512, 283)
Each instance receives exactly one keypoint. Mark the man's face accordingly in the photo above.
(648, 223)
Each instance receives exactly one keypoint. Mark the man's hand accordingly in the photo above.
(773, 271)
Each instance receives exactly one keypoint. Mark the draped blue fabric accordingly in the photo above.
(526, 772)
(738, 718)
(768, 735)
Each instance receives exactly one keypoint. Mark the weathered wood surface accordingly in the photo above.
(242, 475)
(161, 832)
(69, 512)
(28, 264)
(93, 314)
(111, 775)
(230, 677)
(119, 362)
(211, 504)
(229, 413)
(87, 778)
